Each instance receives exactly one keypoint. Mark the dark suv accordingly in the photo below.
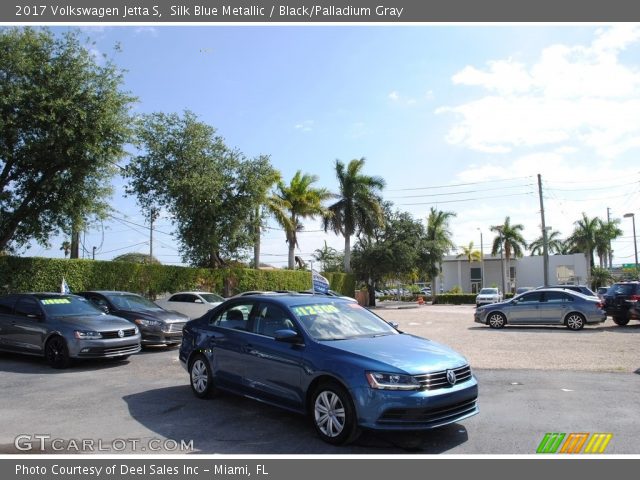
(622, 302)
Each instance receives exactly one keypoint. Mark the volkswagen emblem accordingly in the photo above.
(451, 377)
(121, 334)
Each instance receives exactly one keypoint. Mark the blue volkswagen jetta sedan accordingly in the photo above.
(331, 359)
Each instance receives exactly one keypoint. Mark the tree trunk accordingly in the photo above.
(347, 254)
(75, 242)
(292, 256)
(256, 245)
(372, 294)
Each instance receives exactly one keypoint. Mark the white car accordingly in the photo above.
(488, 296)
(192, 304)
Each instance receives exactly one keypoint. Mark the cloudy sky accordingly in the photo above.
(462, 118)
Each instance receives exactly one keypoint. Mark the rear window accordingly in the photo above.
(623, 289)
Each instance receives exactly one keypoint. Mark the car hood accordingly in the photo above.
(162, 315)
(411, 354)
(97, 323)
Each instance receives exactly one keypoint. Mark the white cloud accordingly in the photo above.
(582, 95)
(395, 96)
(153, 31)
(305, 126)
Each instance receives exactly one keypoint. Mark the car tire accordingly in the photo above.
(200, 377)
(575, 321)
(496, 320)
(56, 352)
(121, 358)
(621, 320)
(333, 414)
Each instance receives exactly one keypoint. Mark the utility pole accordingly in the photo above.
(154, 214)
(481, 260)
(545, 241)
(610, 251)
(94, 253)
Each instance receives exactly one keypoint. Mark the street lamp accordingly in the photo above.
(635, 244)
(481, 259)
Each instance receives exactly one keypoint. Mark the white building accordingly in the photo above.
(518, 272)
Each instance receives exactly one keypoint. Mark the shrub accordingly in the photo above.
(455, 299)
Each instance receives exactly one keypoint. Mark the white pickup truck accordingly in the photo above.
(488, 296)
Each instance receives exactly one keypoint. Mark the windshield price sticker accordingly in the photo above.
(55, 301)
(315, 310)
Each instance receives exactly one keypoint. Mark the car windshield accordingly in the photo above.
(68, 306)
(622, 289)
(340, 321)
(488, 291)
(132, 302)
(211, 297)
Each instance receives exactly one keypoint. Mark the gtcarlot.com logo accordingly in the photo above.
(574, 443)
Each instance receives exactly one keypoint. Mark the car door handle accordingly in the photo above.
(252, 351)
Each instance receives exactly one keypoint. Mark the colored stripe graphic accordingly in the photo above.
(574, 443)
(598, 443)
(550, 443)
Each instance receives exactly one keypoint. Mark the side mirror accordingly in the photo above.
(287, 336)
(197, 300)
(104, 308)
(36, 316)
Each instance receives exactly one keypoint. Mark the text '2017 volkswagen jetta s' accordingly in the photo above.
(331, 359)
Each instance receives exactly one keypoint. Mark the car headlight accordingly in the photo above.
(391, 381)
(147, 323)
(87, 334)
(136, 331)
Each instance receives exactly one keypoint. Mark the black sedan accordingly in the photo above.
(157, 325)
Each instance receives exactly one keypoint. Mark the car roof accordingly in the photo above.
(294, 298)
(110, 292)
(194, 293)
(41, 295)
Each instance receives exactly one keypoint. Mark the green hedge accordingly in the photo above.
(455, 299)
(22, 274)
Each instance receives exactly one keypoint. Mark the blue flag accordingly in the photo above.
(320, 284)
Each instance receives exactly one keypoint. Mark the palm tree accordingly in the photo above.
(66, 246)
(509, 240)
(294, 202)
(267, 204)
(606, 232)
(554, 244)
(470, 254)
(358, 208)
(438, 240)
(583, 238)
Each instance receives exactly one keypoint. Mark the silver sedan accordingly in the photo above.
(543, 307)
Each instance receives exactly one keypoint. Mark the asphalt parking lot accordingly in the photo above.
(532, 381)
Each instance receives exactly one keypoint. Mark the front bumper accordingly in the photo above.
(104, 348)
(415, 410)
(166, 334)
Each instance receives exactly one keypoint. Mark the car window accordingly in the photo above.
(236, 316)
(269, 319)
(211, 297)
(558, 297)
(533, 297)
(27, 306)
(622, 289)
(132, 302)
(340, 321)
(488, 291)
(6, 305)
(69, 306)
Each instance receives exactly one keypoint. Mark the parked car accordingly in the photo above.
(330, 293)
(63, 327)
(622, 302)
(487, 296)
(191, 304)
(550, 306)
(575, 288)
(520, 290)
(331, 359)
(601, 292)
(157, 325)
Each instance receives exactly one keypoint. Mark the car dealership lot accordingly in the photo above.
(532, 381)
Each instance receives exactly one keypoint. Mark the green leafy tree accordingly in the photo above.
(295, 202)
(358, 208)
(393, 251)
(554, 244)
(135, 257)
(438, 241)
(211, 190)
(509, 240)
(583, 238)
(64, 120)
(600, 277)
(470, 254)
(606, 232)
(331, 260)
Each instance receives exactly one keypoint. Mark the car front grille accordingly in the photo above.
(128, 332)
(110, 351)
(173, 327)
(436, 380)
(429, 417)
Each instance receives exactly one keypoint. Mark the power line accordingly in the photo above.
(459, 184)
(461, 192)
(467, 199)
